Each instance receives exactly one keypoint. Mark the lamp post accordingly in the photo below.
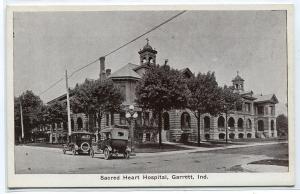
(226, 126)
(131, 115)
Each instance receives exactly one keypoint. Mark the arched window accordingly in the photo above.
(272, 125)
(240, 123)
(206, 122)
(185, 121)
(260, 125)
(231, 122)
(166, 120)
(241, 135)
(79, 123)
(231, 136)
(249, 124)
(207, 136)
(221, 122)
(221, 136)
(249, 135)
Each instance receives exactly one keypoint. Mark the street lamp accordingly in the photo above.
(131, 115)
(226, 126)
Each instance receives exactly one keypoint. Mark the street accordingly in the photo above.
(41, 160)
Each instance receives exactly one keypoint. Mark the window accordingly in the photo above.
(185, 120)
(272, 125)
(266, 110)
(231, 122)
(249, 124)
(166, 121)
(148, 137)
(231, 136)
(240, 123)
(107, 119)
(206, 122)
(272, 110)
(207, 136)
(221, 122)
(120, 134)
(221, 136)
(79, 123)
(247, 107)
(260, 125)
(123, 91)
(122, 118)
(241, 136)
(112, 120)
(260, 110)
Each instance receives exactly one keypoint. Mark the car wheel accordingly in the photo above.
(92, 154)
(126, 155)
(106, 154)
(64, 151)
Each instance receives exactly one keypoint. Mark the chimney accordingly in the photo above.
(108, 72)
(102, 68)
(166, 61)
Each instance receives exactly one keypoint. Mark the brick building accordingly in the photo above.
(255, 119)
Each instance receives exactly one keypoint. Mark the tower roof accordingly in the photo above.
(147, 47)
(238, 77)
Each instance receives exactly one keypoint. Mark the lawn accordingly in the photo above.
(278, 151)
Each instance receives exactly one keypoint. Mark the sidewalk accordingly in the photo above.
(264, 168)
(203, 149)
(191, 149)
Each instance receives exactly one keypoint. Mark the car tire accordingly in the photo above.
(73, 152)
(106, 154)
(92, 153)
(126, 155)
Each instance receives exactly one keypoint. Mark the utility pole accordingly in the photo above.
(68, 106)
(22, 126)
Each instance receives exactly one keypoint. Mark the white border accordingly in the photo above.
(215, 179)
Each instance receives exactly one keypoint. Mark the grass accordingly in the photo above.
(278, 151)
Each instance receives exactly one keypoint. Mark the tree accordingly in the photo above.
(108, 99)
(231, 101)
(31, 108)
(205, 97)
(162, 89)
(83, 100)
(56, 112)
(96, 98)
(282, 125)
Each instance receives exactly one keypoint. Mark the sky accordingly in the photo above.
(251, 42)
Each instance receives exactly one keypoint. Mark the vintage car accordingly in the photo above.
(79, 142)
(113, 141)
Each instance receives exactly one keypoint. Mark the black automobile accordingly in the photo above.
(113, 143)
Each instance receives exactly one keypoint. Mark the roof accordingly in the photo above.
(266, 98)
(147, 47)
(126, 71)
(238, 78)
